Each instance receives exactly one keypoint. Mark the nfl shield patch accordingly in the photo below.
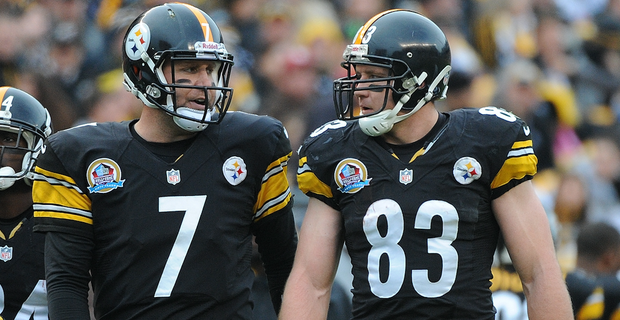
(6, 253)
(406, 176)
(174, 176)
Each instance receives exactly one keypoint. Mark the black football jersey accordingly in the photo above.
(172, 240)
(420, 232)
(22, 273)
(594, 297)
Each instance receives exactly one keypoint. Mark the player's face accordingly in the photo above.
(370, 101)
(11, 157)
(200, 73)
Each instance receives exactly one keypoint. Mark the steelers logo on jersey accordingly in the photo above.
(234, 170)
(466, 170)
(138, 40)
(351, 175)
(104, 175)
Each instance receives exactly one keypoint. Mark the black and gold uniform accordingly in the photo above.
(22, 273)
(420, 230)
(594, 297)
(167, 236)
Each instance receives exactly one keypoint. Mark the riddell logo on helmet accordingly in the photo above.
(208, 46)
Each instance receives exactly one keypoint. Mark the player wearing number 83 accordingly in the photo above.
(160, 212)
(419, 197)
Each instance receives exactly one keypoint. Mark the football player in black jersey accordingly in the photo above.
(419, 197)
(24, 126)
(593, 285)
(159, 213)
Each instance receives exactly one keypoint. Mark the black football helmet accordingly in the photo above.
(23, 115)
(172, 32)
(417, 54)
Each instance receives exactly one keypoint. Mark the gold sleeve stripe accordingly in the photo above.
(309, 182)
(53, 175)
(522, 144)
(515, 168)
(56, 196)
(277, 166)
(46, 193)
(63, 216)
(275, 192)
(274, 205)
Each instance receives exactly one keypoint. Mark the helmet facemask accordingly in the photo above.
(27, 147)
(345, 88)
(162, 93)
(400, 82)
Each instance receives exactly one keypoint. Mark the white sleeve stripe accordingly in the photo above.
(57, 208)
(274, 171)
(520, 152)
(54, 181)
(272, 203)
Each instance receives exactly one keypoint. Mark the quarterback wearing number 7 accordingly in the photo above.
(159, 213)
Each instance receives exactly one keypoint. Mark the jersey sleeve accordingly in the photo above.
(274, 224)
(520, 162)
(275, 193)
(59, 203)
(310, 184)
(316, 155)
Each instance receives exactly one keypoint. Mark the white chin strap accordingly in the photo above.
(7, 182)
(384, 121)
(191, 125)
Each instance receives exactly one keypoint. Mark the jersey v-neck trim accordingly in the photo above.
(405, 152)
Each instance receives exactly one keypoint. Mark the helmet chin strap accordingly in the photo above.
(190, 125)
(384, 121)
(7, 182)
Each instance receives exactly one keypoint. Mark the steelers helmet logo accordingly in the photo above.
(351, 175)
(234, 170)
(138, 40)
(104, 175)
(466, 170)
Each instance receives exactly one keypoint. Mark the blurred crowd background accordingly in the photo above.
(554, 63)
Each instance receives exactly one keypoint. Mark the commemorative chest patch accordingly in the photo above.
(466, 170)
(351, 176)
(104, 175)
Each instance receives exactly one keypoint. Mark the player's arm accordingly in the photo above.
(276, 237)
(307, 291)
(274, 226)
(67, 261)
(526, 230)
(63, 212)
